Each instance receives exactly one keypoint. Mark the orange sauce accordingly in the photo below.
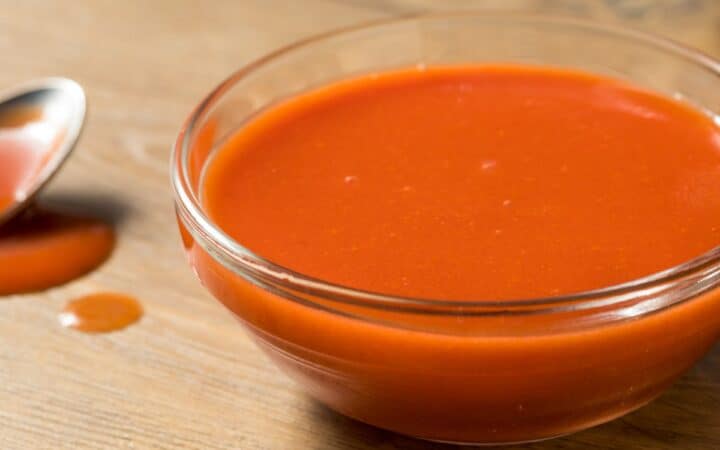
(44, 248)
(18, 164)
(101, 312)
(473, 183)
(470, 183)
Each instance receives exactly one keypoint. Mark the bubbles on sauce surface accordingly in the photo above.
(488, 164)
(101, 312)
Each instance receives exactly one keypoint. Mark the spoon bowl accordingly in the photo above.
(40, 122)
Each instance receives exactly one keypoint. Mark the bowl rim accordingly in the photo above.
(245, 262)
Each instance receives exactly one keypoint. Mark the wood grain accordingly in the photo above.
(186, 376)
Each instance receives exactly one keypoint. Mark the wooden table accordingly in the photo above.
(186, 376)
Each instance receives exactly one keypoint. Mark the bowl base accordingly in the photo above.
(490, 444)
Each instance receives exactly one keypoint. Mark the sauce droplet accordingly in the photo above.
(101, 312)
(43, 248)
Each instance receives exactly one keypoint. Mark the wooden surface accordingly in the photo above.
(186, 376)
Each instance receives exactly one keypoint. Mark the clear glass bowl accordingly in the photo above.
(474, 371)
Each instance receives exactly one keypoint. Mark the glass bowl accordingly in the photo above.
(476, 371)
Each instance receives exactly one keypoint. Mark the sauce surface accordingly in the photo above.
(101, 312)
(28, 141)
(44, 248)
(472, 183)
(21, 159)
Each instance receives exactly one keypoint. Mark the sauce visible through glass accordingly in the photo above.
(469, 183)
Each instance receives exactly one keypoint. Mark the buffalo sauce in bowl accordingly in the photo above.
(469, 183)
(372, 210)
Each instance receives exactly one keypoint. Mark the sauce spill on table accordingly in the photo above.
(44, 248)
(101, 312)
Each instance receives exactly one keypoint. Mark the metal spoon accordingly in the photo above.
(43, 117)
